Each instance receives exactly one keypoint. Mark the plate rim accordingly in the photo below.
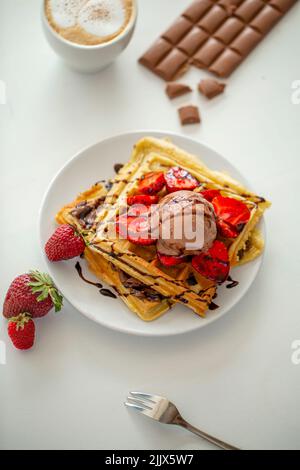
(157, 134)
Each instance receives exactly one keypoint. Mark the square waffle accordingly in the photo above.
(82, 214)
(180, 283)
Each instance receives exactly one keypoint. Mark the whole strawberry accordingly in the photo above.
(65, 243)
(21, 331)
(33, 293)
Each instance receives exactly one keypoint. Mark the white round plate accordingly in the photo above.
(96, 163)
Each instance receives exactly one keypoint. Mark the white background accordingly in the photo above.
(235, 378)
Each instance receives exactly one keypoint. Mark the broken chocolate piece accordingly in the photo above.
(174, 90)
(189, 115)
(211, 88)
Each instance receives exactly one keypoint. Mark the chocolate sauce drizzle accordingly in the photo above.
(109, 182)
(232, 283)
(213, 306)
(105, 292)
(79, 270)
(108, 293)
(118, 167)
(138, 289)
(85, 212)
(108, 185)
(179, 297)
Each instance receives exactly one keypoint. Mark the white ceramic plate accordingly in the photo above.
(96, 163)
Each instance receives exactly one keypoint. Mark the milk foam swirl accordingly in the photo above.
(100, 18)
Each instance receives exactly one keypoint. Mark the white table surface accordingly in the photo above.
(235, 378)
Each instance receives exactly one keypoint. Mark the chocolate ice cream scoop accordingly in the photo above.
(187, 224)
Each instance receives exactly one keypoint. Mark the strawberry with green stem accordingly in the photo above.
(21, 330)
(65, 243)
(34, 293)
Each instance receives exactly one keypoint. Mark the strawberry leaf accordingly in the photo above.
(43, 285)
(57, 299)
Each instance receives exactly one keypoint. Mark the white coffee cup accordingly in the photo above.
(84, 58)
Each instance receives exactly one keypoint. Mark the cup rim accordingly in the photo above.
(84, 47)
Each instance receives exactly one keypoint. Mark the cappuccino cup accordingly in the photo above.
(89, 34)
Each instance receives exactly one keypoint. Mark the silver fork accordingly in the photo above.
(164, 411)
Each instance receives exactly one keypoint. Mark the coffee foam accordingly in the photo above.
(101, 19)
(65, 12)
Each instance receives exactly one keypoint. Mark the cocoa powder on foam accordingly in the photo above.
(77, 34)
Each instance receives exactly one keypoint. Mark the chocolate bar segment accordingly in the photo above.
(156, 53)
(282, 5)
(213, 19)
(173, 65)
(229, 30)
(215, 35)
(208, 53)
(226, 63)
(265, 20)
(179, 29)
(197, 10)
(246, 41)
(248, 9)
(192, 41)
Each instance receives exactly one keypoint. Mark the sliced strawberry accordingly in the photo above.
(152, 183)
(144, 199)
(232, 215)
(138, 209)
(226, 230)
(171, 260)
(135, 229)
(139, 231)
(178, 179)
(213, 264)
(122, 225)
(210, 194)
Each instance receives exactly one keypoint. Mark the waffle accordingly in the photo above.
(180, 284)
(81, 214)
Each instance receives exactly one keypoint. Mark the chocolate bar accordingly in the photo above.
(215, 35)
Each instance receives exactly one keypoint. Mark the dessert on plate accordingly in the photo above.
(166, 229)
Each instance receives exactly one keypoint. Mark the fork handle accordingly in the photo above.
(223, 445)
